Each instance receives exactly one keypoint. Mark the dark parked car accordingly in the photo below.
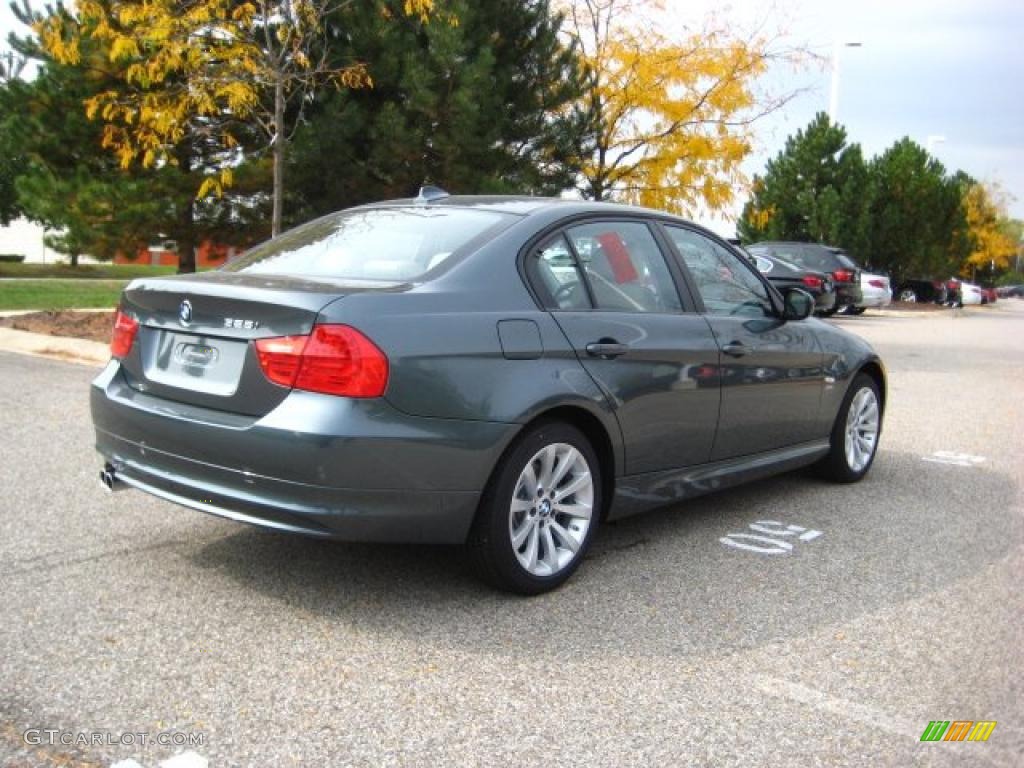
(1010, 292)
(784, 275)
(924, 291)
(834, 262)
(503, 372)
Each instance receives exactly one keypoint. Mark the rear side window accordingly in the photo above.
(392, 244)
(555, 273)
(625, 267)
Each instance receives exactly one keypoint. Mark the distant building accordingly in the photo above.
(164, 253)
(25, 238)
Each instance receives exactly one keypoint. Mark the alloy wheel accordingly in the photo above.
(551, 508)
(862, 422)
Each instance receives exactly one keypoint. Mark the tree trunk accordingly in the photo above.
(186, 239)
(74, 259)
(186, 234)
(187, 243)
(279, 141)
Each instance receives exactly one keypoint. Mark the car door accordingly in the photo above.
(771, 371)
(613, 293)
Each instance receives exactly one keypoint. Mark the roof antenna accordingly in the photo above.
(429, 194)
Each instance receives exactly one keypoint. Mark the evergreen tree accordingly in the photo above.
(12, 163)
(918, 225)
(479, 99)
(815, 190)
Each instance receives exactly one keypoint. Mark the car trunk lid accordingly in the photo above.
(195, 342)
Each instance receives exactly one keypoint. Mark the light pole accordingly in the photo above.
(833, 101)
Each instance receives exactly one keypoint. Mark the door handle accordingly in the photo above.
(736, 349)
(607, 349)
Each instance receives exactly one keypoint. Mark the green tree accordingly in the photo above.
(12, 163)
(487, 104)
(917, 215)
(208, 68)
(12, 158)
(70, 184)
(815, 190)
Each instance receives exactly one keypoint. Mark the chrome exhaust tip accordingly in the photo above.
(109, 479)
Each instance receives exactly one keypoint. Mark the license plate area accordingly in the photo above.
(207, 364)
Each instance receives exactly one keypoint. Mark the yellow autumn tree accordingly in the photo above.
(985, 214)
(198, 71)
(675, 112)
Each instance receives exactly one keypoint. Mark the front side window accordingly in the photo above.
(625, 267)
(725, 283)
(392, 244)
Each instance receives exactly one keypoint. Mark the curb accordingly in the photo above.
(70, 350)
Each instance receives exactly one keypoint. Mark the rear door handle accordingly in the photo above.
(736, 349)
(607, 349)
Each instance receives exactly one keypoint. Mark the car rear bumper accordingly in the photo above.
(877, 297)
(824, 301)
(317, 465)
(847, 294)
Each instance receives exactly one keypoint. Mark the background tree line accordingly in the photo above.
(228, 120)
(899, 212)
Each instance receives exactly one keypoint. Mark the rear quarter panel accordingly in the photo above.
(446, 357)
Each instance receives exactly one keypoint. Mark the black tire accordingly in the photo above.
(490, 544)
(834, 465)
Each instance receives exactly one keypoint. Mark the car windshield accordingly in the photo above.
(393, 244)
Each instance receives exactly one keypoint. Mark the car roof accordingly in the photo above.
(833, 248)
(523, 205)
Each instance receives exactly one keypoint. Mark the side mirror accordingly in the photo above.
(797, 304)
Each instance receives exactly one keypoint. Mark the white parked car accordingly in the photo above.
(969, 293)
(875, 292)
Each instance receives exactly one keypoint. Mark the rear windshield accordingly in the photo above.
(392, 244)
(846, 261)
(814, 257)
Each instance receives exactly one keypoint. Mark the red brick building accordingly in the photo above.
(165, 254)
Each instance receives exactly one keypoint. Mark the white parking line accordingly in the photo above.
(954, 459)
(875, 718)
(765, 531)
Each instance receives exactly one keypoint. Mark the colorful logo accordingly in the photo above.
(958, 730)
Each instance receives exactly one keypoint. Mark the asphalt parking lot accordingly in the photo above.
(128, 615)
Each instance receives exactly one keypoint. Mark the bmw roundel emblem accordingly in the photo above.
(185, 312)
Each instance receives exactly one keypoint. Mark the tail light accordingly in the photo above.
(333, 359)
(811, 281)
(876, 283)
(843, 275)
(125, 328)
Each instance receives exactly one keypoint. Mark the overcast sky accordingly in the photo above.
(926, 67)
(948, 68)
